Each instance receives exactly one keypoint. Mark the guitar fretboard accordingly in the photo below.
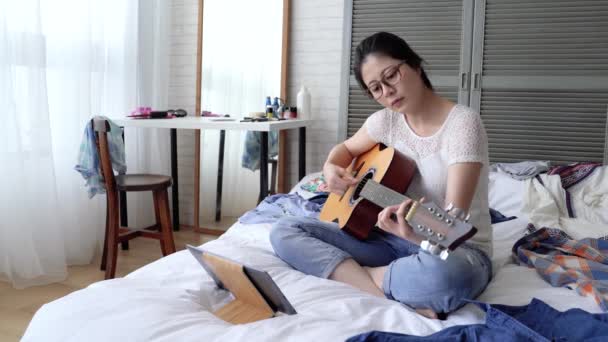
(381, 195)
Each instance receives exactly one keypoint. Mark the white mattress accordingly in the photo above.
(172, 299)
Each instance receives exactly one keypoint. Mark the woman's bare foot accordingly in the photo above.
(428, 313)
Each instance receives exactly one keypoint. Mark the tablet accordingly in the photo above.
(269, 290)
(262, 281)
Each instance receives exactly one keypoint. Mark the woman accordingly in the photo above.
(449, 145)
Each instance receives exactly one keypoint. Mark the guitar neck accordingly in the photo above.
(381, 195)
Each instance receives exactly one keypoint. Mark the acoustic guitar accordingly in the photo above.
(385, 175)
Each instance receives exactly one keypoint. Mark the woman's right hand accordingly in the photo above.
(338, 178)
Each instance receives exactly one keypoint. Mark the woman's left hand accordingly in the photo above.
(400, 227)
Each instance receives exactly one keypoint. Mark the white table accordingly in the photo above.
(218, 123)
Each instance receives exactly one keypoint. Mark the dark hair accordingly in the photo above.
(390, 45)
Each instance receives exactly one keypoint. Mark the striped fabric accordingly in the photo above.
(581, 265)
(574, 173)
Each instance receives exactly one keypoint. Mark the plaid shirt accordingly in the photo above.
(562, 261)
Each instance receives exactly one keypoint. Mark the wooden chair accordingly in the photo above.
(115, 234)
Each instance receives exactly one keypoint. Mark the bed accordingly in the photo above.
(172, 299)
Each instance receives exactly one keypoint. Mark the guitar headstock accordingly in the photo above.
(443, 230)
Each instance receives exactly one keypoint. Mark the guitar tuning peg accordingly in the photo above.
(449, 207)
(457, 213)
(430, 247)
(434, 249)
(466, 219)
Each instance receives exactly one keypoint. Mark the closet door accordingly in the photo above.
(440, 31)
(540, 78)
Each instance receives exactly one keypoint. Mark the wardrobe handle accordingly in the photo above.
(463, 81)
(476, 81)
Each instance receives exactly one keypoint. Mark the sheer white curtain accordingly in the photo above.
(241, 66)
(148, 150)
(61, 62)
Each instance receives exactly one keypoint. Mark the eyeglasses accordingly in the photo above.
(390, 77)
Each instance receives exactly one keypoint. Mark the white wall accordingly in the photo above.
(314, 59)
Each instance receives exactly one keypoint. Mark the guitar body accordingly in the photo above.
(355, 214)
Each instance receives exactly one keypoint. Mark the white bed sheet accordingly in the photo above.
(172, 300)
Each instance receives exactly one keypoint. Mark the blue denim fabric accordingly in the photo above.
(535, 322)
(414, 277)
(88, 160)
(251, 153)
(277, 206)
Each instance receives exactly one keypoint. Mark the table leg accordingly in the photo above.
(263, 166)
(220, 177)
(122, 199)
(302, 153)
(175, 184)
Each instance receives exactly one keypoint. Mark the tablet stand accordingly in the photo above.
(249, 305)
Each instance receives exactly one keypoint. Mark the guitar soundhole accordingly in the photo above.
(364, 179)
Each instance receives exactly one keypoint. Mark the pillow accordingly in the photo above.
(506, 194)
(310, 186)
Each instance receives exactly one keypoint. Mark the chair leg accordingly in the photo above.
(123, 218)
(157, 214)
(162, 198)
(105, 238)
(112, 245)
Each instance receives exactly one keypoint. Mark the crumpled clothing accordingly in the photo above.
(535, 322)
(595, 200)
(574, 173)
(274, 207)
(251, 152)
(88, 159)
(547, 204)
(522, 170)
(563, 261)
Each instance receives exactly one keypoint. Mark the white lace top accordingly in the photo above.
(462, 138)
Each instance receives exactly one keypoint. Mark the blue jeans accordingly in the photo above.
(413, 277)
(535, 322)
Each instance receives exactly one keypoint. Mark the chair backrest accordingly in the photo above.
(101, 127)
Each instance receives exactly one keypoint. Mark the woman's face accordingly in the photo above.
(392, 82)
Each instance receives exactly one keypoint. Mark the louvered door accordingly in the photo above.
(439, 31)
(540, 78)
